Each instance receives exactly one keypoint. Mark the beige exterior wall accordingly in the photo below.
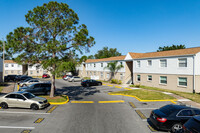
(12, 72)
(172, 82)
(128, 69)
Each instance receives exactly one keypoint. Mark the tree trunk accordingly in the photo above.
(53, 78)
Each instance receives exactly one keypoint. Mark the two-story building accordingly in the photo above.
(175, 69)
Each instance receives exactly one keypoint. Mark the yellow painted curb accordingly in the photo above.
(82, 101)
(166, 100)
(110, 85)
(17, 87)
(118, 87)
(103, 84)
(60, 103)
(127, 89)
(119, 101)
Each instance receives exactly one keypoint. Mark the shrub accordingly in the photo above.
(115, 81)
(86, 78)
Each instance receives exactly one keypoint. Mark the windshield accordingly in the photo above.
(29, 95)
(27, 79)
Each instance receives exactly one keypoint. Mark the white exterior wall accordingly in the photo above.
(15, 67)
(90, 66)
(172, 66)
(197, 64)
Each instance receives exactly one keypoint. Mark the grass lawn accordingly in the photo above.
(194, 97)
(146, 94)
(57, 99)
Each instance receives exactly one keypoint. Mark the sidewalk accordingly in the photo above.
(180, 100)
(9, 88)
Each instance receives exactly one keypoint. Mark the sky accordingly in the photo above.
(128, 25)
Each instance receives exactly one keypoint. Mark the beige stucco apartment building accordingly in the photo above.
(176, 69)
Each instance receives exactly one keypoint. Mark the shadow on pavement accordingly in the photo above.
(75, 92)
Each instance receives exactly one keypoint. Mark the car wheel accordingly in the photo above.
(88, 85)
(72, 80)
(177, 128)
(99, 84)
(24, 85)
(4, 105)
(34, 106)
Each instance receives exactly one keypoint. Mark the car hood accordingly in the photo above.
(26, 87)
(38, 99)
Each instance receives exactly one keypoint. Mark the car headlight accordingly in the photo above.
(40, 102)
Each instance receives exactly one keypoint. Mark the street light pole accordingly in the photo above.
(3, 57)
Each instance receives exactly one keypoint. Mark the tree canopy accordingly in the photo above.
(114, 68)
(106, 53)
(173, 47)
(53, 35)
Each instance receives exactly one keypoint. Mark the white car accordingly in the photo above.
(75, 79)
(67, 77)
(30, 82)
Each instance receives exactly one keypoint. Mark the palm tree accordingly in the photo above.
(113, 67)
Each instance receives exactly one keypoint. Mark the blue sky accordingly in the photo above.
(128, 25)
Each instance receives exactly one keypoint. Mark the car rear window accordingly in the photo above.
(167, 109)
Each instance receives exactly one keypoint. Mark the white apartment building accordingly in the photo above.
(176, 69)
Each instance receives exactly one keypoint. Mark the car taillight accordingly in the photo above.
(161, 119)
(184, 127)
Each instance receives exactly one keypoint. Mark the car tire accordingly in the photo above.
(88, 85)
(99, 84)
(34, 106)
(72, 80)
(4, 105)
(177, 128)
(24, 85)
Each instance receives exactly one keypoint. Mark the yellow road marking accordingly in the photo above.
(52, 109)
(104, 84)
(26, 131)
(17, 87)
(118, 87)
(132, 104)
(142, 116)
(39, 120)
(173, 102)
(127, 89)
(110, 85)
(151, 128)
(82, 101)
(119, 101)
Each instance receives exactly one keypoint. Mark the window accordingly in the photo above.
(12, 65)
(108, 75)
(6, 72)
(138, 63)
(19, 72)
(12, 71)
(121, 63)
(182, 81)
(186, 113)
(31, 72)
(6, 65)
(18, 65)
(149, 63)
(90, 64)
(101, 64)
(101, 74)
(163, 63)
(94, 73)
(30, 67)
(197, 112)
(87, 73)
(163, 79)
(90, 73)
(149, 78)
(20, 97)
(37, 71)
(138, 77)
(121, 76)
(182, 62)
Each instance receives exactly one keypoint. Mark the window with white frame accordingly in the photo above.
(149, 78)
(149, 62)
(90, 73)
(163, 79)
(19, 72)
(6, 65)
(182, 62)
(108, 75)
(31, 72)
(90, 64)
(121, 63)
(101, 64)
(30, 67)
(37, 71)
(94, 65)
(138, 63)
(12, 65)
(163, 63)
(6, 72)
(94, 73)
(101, 74)
(138, 78)
(182, 81)
(87, 73)
(12, 71)
(121, 76)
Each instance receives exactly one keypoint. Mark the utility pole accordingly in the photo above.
(3, 57)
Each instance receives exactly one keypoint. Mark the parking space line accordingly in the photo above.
(26, 131)
(151, 128)
(132, 104)
(145, 108)
(119, 101)
(82, 101)
(17, 127)
(10, 112)
(118, 86)
(110, 85)
(142, 116)
(52, 109)
(39, 120)
(127, 89)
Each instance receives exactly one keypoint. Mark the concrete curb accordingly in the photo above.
(60, 103)
(166, 100)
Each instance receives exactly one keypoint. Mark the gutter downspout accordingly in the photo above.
(194, 73)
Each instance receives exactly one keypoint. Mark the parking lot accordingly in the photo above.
(90, 107)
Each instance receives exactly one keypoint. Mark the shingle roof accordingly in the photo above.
(106, 59)
(9, 61)
(178, 52)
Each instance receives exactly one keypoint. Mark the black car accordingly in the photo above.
(90, 82)
(192, 125)
(38, 88)
(9, 78)
(23, 77)
(172, 117)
